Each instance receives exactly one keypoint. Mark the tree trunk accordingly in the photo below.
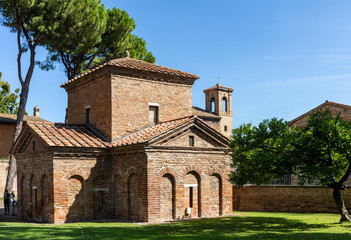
(12, 172)
(345, 216)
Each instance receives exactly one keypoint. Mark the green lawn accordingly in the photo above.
(249, 225)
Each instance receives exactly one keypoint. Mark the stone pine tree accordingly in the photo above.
(74, 49)
(8, 100)
(319, 153)
(35, 22)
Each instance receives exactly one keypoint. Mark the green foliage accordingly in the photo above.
(323, 148)
(38, 17)
(320, 151)
(245, 225)
(260, 153)
(8, 100)
(81, 26)
(92, 36)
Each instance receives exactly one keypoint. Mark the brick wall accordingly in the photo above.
(200, 140)
(205, 171)
(120, 104)
(129, 174)
(287, 199)
(35, 186)
(4, 164)
(131, 97)
(6, 135)
(213, 123)
(78, 180)
(94, 92)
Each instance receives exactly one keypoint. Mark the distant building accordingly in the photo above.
(133, 148)
(7, 129)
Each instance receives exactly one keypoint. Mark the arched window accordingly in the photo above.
(224, 104)
(213, 105)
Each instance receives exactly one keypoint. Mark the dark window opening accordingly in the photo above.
(191, 196)
(225, 128)
(87, 115)
(224, 104)
(35, 198)
(33, 145)
(101, 200)
(191, 141)
(213, 105)
(153, 114)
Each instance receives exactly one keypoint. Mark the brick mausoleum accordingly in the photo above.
(133, 148)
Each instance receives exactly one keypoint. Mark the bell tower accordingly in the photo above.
(219, 102)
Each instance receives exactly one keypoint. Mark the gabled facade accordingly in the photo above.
(131, 149)
(336, 108)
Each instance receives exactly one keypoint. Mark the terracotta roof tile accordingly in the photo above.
(11, 118)
(219, 86)
(67, 135)
(203, 113)
(151, 132)
(130, 63)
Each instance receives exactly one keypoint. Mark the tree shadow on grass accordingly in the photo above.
(220, 228)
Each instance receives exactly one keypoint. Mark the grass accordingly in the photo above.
(249, 225)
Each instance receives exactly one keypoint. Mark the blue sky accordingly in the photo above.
(281, 57)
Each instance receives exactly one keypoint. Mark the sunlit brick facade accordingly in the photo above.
(133, 148)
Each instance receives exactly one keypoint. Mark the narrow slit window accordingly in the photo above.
(191, 141)
(191, 196)
(153, 114)
(35, 198)
(225, 128)
(33, 146)
(101, 200)
(87, 116)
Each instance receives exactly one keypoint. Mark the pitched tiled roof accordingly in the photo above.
(203, 113)
(67, 135)
(219, 86)
(72, 135)
(149, 133)
(325, 104)
(130, 63)
(11, 118)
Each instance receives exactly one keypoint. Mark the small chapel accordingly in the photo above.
(132, 148)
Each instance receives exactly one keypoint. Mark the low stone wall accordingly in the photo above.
(4, 164)
(287, 199)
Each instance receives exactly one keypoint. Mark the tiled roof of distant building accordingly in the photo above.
(11, 118)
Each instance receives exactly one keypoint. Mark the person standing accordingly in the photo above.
(7, 202)
(13, 199)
